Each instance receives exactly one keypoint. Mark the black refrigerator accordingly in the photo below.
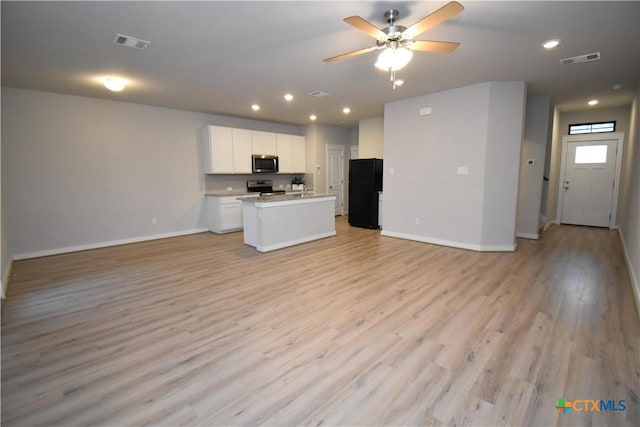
(365, 180)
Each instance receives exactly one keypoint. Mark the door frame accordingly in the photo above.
(619, 137)
(329, 147)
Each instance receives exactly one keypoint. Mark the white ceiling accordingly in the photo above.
(220, 57)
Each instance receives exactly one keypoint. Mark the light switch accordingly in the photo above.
(392, 171)
(462, 170)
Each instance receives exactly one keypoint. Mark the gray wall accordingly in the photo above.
(629, 210)
(318, 137)
(534, 144)
(371, 138)
(82, 172)
(5, 254)
(479, 127)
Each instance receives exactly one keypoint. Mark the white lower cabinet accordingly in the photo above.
(224, 214)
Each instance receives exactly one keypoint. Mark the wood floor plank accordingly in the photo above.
(356, 329)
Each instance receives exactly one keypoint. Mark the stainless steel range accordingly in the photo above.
(264, 187)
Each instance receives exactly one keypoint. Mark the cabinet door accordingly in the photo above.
(263, 143)
(230, 216)
(298, 154)
(219, 150)
(241, 151)
(284, 151)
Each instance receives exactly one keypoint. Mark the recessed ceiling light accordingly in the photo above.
(399, 82)
(313, 117)
(255, 107)
(593, 102)
(617, 86)
(346, 110)
(114, 84)
(550, 44)
(288, 97)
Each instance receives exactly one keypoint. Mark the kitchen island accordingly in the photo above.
(274, 222)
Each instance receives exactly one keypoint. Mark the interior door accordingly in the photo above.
(589, 182)
(335, 175)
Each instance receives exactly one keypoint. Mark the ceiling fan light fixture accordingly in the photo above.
(393, 59)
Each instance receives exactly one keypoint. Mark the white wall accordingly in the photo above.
(371, 138)
(534, 144)
(477, 127)
(629, 210)
(81, 172)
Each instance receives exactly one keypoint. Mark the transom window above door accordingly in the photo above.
(599, 127)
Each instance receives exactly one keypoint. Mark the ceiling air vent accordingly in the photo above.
(582, 58)
(318, 94)
(129, 41)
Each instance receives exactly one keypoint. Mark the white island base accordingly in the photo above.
(274, 224)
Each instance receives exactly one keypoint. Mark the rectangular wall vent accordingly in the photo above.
(318, 94)
(582, 58)
(129, 41)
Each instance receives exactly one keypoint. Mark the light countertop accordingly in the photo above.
(286, 197)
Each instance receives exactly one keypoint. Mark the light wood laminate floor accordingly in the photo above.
(356, 329)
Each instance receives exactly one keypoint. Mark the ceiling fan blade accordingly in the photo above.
(429, 46)
(366, 27)
(350, 54)
(447, 11)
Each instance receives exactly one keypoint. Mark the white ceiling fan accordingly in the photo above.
(398, 41)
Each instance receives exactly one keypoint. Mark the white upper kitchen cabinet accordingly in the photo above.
(263, 143)
(242, 151)
(298, 154)
(284, 151)
(218, 150)
(291, 153)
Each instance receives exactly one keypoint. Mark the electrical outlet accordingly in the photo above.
(229, 188)
(154, 221)
(417, 221)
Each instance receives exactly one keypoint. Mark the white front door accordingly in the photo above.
(588, 184)
(335, 174)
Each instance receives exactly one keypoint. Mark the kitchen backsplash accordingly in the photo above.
(217, 183)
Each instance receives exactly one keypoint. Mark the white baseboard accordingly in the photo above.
(57, 251)
(5, 279)
(469, 246)
(635, 286)
(528, 236)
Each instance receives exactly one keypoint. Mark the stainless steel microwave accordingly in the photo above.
(264, 163)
